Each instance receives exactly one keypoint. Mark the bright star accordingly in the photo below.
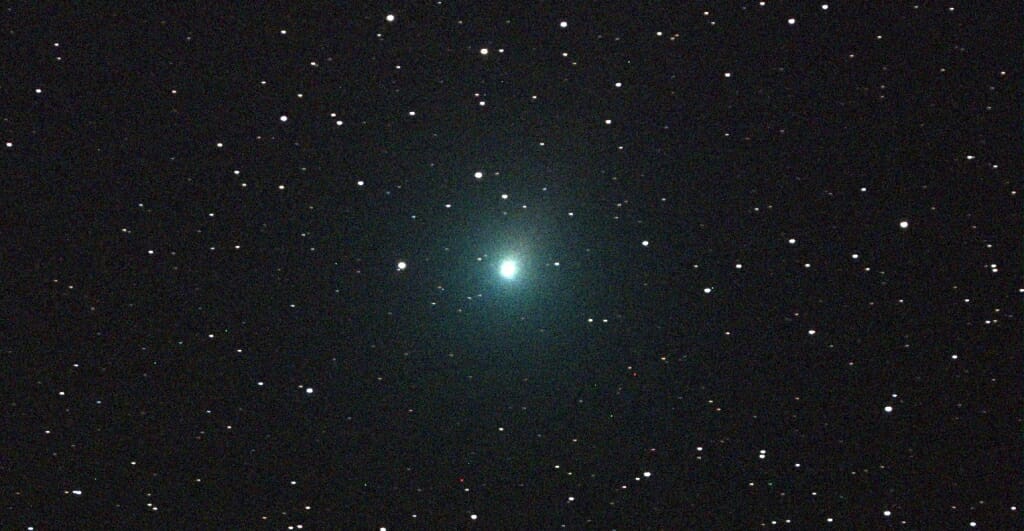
(509, 268)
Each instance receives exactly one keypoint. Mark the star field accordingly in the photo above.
(511, 266)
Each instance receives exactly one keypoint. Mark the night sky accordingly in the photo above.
(502, 265)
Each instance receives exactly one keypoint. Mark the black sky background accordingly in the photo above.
(203, 323)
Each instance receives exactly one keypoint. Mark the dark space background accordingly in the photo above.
(769, 265)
